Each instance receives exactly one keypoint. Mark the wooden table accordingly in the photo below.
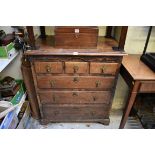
(140, 79)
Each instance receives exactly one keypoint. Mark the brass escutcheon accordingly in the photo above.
(94, 98)
(75, 94)
(76, 79)
(103, 69)
(75, 68)
(48, 68)
(92, 113)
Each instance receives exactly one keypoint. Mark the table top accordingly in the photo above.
(136, 68)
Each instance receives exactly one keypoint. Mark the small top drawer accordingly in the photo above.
(76, 67)
(48, 67)
(103, 68)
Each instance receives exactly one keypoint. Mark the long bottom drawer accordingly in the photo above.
(74, 113)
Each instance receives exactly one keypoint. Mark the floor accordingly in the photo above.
(115, 118)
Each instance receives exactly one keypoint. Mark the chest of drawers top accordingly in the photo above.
(103, 48)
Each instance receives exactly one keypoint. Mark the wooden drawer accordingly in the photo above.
(74, 97)
(71, 82)
(147, 87)
(103, 68)
(74, 113)
(48, 67)
(76, 67)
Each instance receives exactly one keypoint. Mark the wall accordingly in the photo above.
(36, 30)
(136, 38)
(13, 69)
(117, 32)
(7, 29)
(49, 30)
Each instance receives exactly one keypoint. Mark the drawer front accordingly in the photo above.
(75, 40)
(103, 68)
(74, 97)
(71, 82)
(147, 87)
(48, 67)
(74, 113)
(76, 67)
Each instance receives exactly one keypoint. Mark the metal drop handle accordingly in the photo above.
(48, 68)
(75, 68)
(98, 83)
(52, 83)
(76, 35)
(77, 31)
(75, 94)
(94, 98)
(92, 113)
(76, 79)
(103, 69)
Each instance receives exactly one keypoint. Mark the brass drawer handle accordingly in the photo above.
(52, 83)
(94, 98)
(92, 113)
(98, 83)
(75, 68)
(75, 94)
(77, 31)
(76, 35)
(76, 79)
(53, 98)
(48, 69)
(103, 69)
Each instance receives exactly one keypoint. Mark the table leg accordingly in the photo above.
(130, 102)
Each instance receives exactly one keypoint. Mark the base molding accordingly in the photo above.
(104, 121)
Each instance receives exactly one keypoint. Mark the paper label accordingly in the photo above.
(75, 53)
(77, 31)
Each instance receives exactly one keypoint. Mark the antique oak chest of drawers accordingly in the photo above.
(71, 85)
